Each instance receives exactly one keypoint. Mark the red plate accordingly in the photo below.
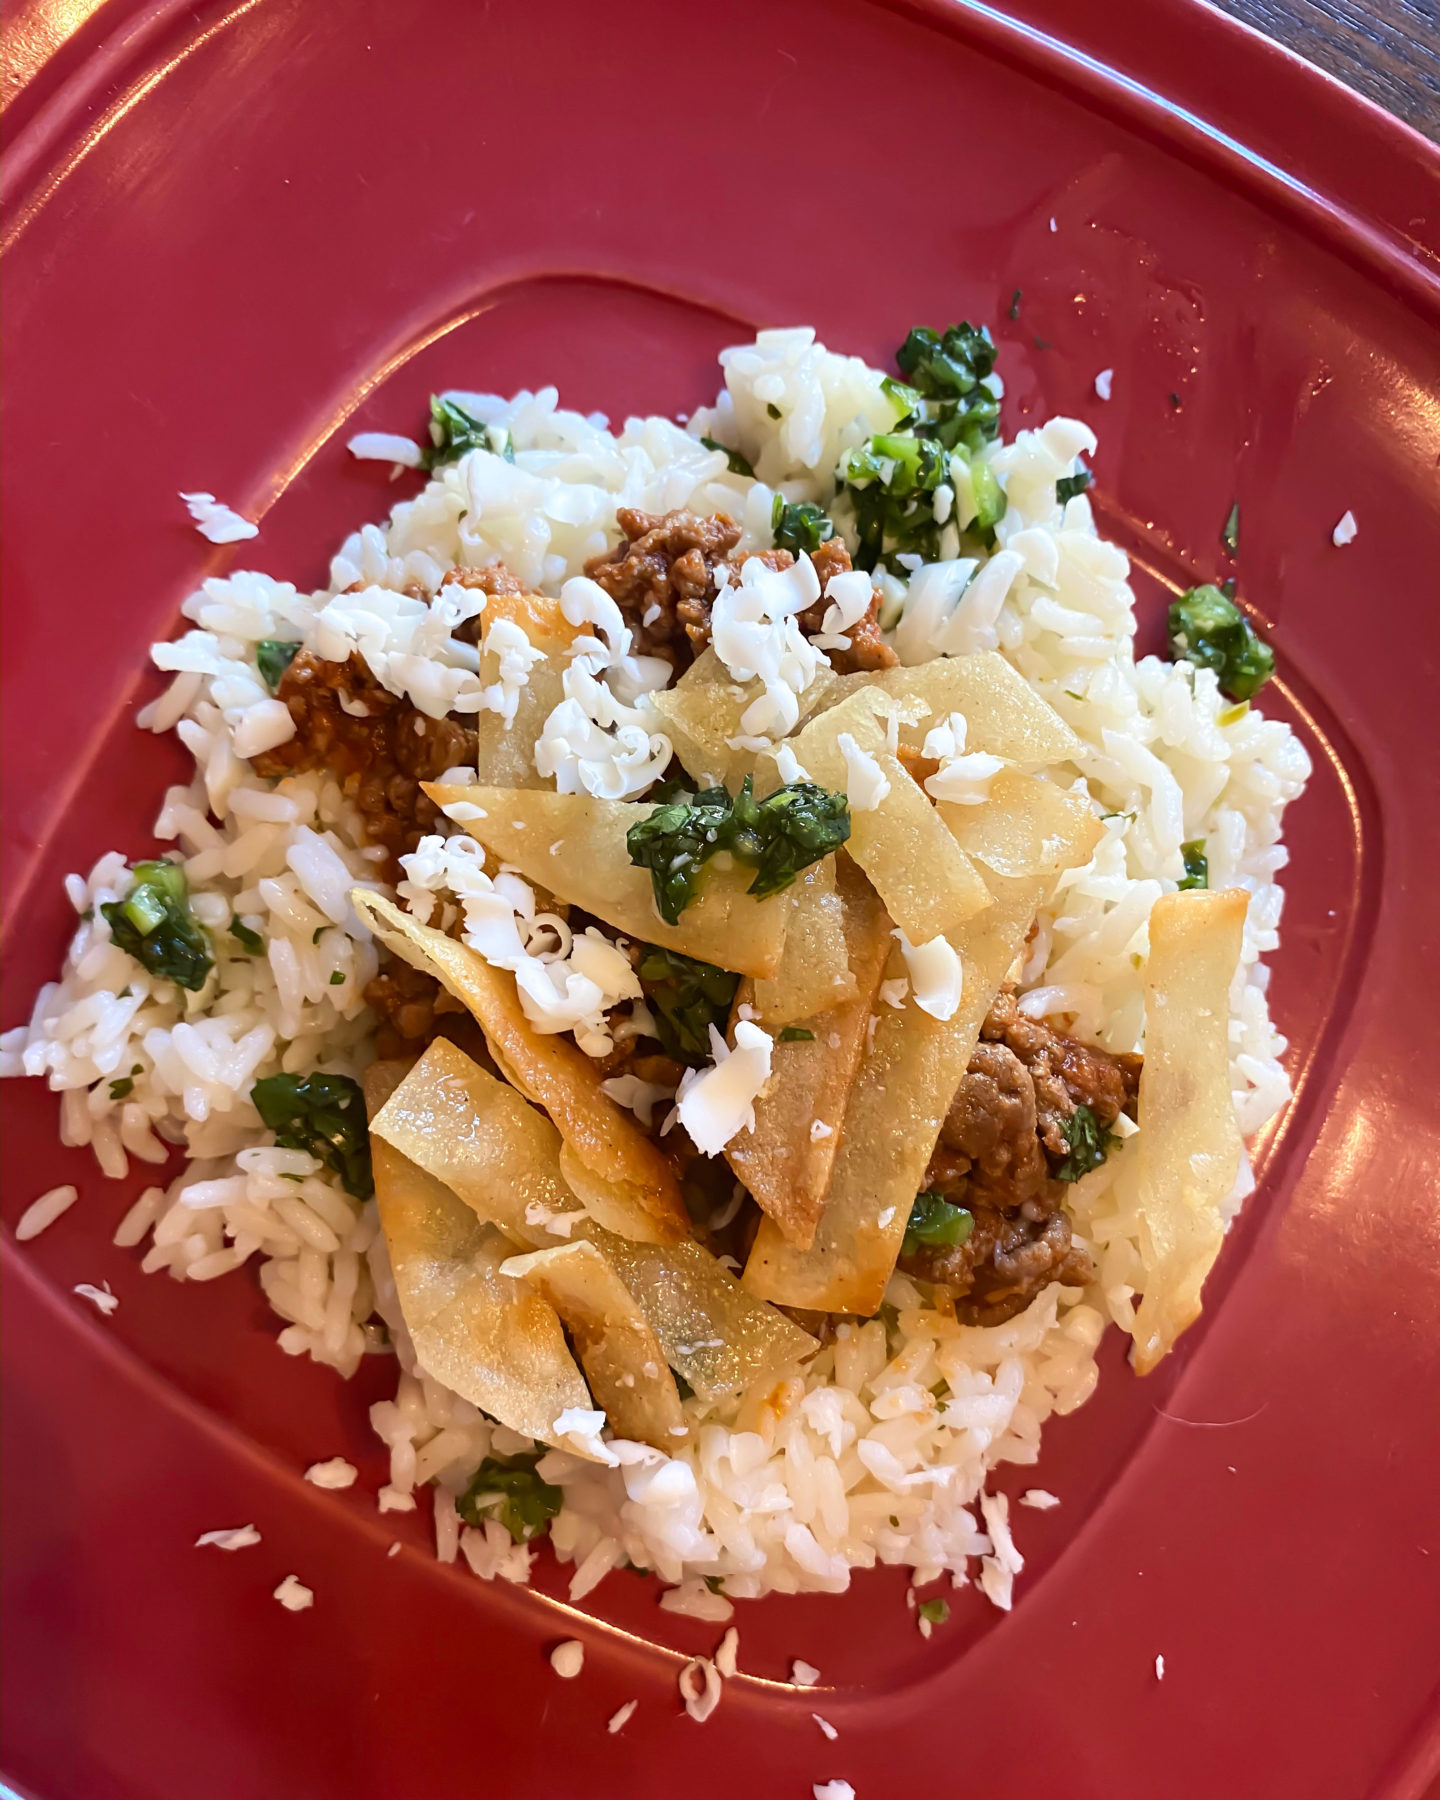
(234, 236)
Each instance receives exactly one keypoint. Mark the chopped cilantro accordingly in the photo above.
(514, 1494)
(249, 941)
(324, 1114)
(738, 464)
(317, 934)
(1068, 486)
(273, 656)
(796, 1034)
(778, 837)
(1197, 865)
(1210, 631)
(337, 978)
(799, 526)
(1070, 694)
(773, 410)
(687, 997)
(122, 1089)
(155, 925)
(455, 432)
(934, 1612)
(935, 1224)
(1088, 1144)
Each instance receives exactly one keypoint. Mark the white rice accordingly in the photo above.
(41, 1214)
(880, 1451)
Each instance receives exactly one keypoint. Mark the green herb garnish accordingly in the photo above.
(1015, 304)
(1068, 486)
(796, 1034)
(935, 1224)
(773, 410)
(1230, 534)
(337, 978)
(455, 432)
(1197, 865)
(512, 1493)
(934, 1612)
(249, 941)
(1210, 631)
(155, 925)
(739, 465)
(325, 1115)
(273, 656)
(799, 526)
(687, 997)
(777, 837)
(892, 479)
(122, 1089)
(1088, 1144)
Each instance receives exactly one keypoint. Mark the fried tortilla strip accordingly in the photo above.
(502, 1158)
(1189, 1143)
(702, 712)
(1026, 827)
(629, 1176)
(495, 1341)
(927, 882)
(787, 1159)
(1004, 714)
(621, 1357)
(574, 846)
(814, 970)
(505, 756)
(906, 1083)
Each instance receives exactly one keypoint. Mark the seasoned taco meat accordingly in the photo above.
(1002, 1139)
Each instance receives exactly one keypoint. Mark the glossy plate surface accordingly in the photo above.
(235, 236)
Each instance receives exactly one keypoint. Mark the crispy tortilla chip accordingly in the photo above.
(1189, 1144)
(906, 1083)
(574, 846)
(702, 713)
(783, 1161)
(621, 1357)
(1004, 714)
(502, 1158)
(927, 882)
(505, 756)
(644, 1197)
(1026, 827)
(814, 970)
(496, 1342)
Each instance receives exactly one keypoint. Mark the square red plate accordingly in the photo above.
(236, 235)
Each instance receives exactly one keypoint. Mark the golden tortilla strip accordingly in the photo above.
(814, 970)
(574, 846)
(784, 1161)
(492, 1339)
(1003, 713)
(643, 1195)
(906, 1083)
(620, 1354)
(503, 1159)
(1189, 1143)
(928, 883)
(702, 713)
(1026, 827)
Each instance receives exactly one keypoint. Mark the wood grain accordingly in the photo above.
(1389, 50)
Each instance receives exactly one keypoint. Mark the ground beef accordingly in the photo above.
(379, 747)
(868, 650)
(1001, 1140)
(662, 576)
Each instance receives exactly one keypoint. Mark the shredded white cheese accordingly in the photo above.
(293, 1594)
(717, 1103)
(866, 783)
(1102, 383)
(216, 521)
(803, 1674)
(234, 1537)
(936, 975)
(568, 1659)
(335, 1474)
(1345, 531)
(385, 446)
(755, 633)
(102, 1298)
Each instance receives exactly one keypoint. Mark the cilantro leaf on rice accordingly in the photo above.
(324, 1115)
(514, 1495)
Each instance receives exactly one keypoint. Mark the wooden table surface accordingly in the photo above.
(1387, 49)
